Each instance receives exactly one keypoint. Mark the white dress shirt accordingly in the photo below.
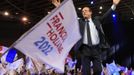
(85, 40)
(94, 33)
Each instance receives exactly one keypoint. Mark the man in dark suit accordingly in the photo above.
(93, 38)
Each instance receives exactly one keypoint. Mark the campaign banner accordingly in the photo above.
(50, 40)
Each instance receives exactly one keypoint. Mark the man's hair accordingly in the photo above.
(87, 6)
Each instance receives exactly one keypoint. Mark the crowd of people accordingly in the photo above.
(29, 66)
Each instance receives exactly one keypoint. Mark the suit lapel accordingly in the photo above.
(82, 25)
(96, 24)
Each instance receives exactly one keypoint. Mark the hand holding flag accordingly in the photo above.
(56, 2)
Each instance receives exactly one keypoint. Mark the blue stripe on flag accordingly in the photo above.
(11, 55)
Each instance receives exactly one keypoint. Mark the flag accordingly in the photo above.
(112, 68)
(132, 73)
(50, 40)
(30, 66)
(16, 64)
(11, 55)
(2, 70)
(39, 66)
(3, 49)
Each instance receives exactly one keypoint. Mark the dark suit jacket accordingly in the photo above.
(97, 22)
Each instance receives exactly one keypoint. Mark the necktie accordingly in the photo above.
(89, 42)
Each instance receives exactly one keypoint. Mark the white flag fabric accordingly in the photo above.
(30, 66)
(15, 65)
(3, 49)
(50, 40)
(2, 69)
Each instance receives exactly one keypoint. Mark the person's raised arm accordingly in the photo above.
(113, 7)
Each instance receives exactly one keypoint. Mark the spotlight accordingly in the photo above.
(92, 2)
(24, 19)
(101, 8)
(16, 13)
(131, 18)
(48, 12)
(114, 15)
(79, 8)
(29, 22)
(100, 12)
(6, 13)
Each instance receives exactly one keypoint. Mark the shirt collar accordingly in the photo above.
(90, 20)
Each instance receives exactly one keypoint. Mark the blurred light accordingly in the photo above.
(48, 12)
(100, 12)
(78, 18)
(92, 2)
(16, 13)
(24, 19)
(114, 15)
(131, 18)
(101, 8)
(29, 22)
(6, 13)
(79, 8)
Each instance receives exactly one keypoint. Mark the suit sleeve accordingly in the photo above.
(113, 7)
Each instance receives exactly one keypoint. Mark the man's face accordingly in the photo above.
(86, 12)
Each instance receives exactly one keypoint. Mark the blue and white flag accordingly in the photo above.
(16, 64)
(112, 68)
(50, 40)
(11, 55)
